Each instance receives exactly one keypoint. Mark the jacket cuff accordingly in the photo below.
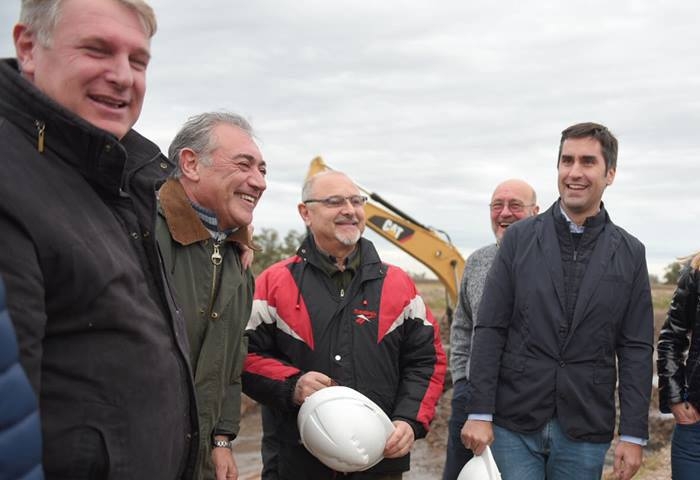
(418, 430)
(217, 431)
(289, 385)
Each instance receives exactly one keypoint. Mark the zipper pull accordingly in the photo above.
(40, 127)
(342, 292)
(216, 256)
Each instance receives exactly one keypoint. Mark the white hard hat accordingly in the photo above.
(343, 429)
(480, 467)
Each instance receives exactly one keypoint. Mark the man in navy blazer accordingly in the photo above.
(565, 317)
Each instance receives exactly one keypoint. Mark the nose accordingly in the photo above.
(348, 208)
(120, 72)
(257, 180)
(575, 170)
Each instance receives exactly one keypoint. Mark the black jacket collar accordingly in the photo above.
(98, 155)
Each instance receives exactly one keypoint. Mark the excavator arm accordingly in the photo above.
(430, 247)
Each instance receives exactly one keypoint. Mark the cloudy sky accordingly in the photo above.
(431, 104)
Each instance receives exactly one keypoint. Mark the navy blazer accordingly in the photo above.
(525, 372)
(20, 432)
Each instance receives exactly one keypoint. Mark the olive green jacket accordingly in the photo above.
(215, 295)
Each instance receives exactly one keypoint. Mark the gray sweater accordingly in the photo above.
(477, 267)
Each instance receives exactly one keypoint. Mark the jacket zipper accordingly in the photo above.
(40, 128)
(216, 259)
(574, 245)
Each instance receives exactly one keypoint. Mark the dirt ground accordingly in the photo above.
(428, 455)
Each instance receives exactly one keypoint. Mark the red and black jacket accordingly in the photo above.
(377, 337)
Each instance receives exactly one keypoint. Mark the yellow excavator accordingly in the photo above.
(431, 247)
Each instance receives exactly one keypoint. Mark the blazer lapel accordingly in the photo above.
(547, 238)
(601, 257)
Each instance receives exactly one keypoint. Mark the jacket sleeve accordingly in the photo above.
(21, 271)
(490, 332)
(229, 423)
(634, 348)
(423, 365)
(674, 340)
(461, 331)
(267, 378)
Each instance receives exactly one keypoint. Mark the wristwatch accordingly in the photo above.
(222, 444)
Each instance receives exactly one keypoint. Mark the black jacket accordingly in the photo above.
(377, 337)
(679, 377)
(86, 292)
(527, 370)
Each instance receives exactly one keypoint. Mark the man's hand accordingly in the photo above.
(247, 253)
(224, 463)
(309, 383)
(628, 459)
(400, 441)
(247, 256)
(476, 435)
(685, 413)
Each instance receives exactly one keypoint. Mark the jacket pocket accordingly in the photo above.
(513, 362)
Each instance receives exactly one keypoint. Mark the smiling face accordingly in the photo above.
(232, 183)
(582, 177)
(95, 62)
(511, 201)
(336, 230)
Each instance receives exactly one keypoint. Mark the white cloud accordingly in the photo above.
(432, 104)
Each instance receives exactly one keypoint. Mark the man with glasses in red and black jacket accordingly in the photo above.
(336, 314)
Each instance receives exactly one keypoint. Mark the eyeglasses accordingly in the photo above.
(514, 206)
(337, 201)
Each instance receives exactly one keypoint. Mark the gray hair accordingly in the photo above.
(41, 16)
(197, 135)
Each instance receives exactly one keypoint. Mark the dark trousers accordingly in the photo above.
(685, 452)
(457, 454)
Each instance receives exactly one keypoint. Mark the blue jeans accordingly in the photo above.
(457, 454)
(685, 452)
(546, 454)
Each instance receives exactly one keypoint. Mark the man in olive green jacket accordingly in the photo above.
(202, 230)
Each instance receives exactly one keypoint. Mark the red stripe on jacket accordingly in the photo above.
(287, 302)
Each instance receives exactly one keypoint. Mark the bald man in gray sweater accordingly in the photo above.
(511, 200)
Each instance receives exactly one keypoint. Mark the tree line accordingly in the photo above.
(275, 248)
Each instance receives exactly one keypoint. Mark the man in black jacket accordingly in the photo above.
(98, 333)
(566, 309)
(335, 313)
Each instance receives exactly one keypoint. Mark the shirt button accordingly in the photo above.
(214, 315)
(163, 165)
(562, 364)
(337, 358)
(135, 235)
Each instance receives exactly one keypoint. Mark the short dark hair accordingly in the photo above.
(607, 140)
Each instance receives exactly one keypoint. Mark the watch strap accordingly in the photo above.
(222, 444)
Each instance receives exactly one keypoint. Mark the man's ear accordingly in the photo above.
(25, 43)
(610, 176)
(189, 164)
(304, 212)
